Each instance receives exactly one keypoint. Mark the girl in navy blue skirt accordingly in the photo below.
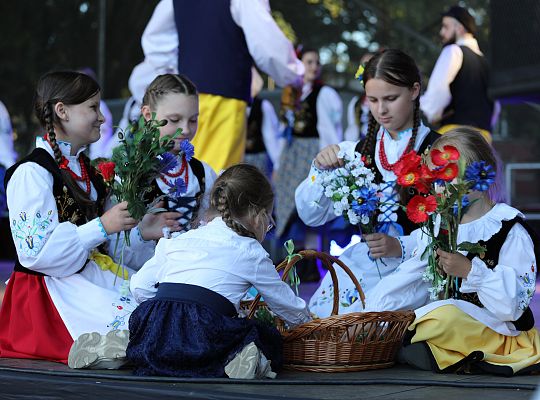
(187, 324)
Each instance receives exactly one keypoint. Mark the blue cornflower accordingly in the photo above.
(366, 203)
(187, 149)
(464, 204)
(481, 175)
(167, 162)
(178, 189)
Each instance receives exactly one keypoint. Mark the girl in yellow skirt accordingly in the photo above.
(488, 326)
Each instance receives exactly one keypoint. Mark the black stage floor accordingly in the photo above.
(28, 379)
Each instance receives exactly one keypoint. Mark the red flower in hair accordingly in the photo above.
(449, 172)
(420, 207)
(441, 158)
(106, 169)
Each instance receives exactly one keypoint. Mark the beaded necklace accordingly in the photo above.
(64, 164)
(183, 170)
(382, 154)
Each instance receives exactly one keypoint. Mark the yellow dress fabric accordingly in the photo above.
(106, 263)
(221, 137)
(451, 334)
(446, 128)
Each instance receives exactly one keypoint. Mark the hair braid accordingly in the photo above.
(220, 203)
(48, 118)
(371, 136)
(416, 124)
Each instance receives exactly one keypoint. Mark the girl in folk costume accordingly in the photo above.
(486, 325)
(174, 98)
(190, 291)
(63, 284)
(392, 83)
(313, 121)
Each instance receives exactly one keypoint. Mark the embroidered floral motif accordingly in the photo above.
(66, 210)
(525, 295)
(327, 296)
(122, 309)
(29, 233)
(349, 297)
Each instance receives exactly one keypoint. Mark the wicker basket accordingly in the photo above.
(340, 343)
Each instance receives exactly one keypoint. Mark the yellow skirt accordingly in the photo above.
(221, 137)
(446, 128)
(452, 335)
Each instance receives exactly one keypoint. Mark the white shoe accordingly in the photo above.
(96, 351)
(250, 363)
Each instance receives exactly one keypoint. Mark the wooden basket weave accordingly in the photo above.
(340, 343)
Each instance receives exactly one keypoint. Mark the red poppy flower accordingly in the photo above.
(420, 207)
(449, 172)
(441, 158)
(408, 162)
(106, 169)
(408, 179)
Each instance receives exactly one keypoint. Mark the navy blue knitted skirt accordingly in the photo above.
(190, 331)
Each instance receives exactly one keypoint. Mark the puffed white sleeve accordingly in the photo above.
(313, 207)
(7, 153)
(43, 244)
(437, 95)
(278, 294)
(507, 289)
(270, 131)
(270, 49)
(329, 113)
(143, 282)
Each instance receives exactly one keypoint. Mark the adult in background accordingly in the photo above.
(457, 90)
(215, 43)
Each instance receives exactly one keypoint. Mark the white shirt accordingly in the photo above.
(217, 258)
(354, 132)
(437, 96)
(270, 131)
(271, 51)
(505, 291)
(7, 153)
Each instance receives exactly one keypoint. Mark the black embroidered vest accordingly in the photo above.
(491, 258)
(407, 225)
(254, 139)
(305, 119)
(174, 204)
(68, 208)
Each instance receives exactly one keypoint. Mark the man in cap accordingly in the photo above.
(457, 90)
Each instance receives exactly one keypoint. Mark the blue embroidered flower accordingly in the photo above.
(366, 203)
(167, 162)
(187, 149)
(481, 175)
(178, 189)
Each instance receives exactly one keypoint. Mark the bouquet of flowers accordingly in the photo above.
(352, 191)
(442, 186)
(141, 156)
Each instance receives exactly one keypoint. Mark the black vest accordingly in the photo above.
(68, 208)
(470, 104)
(491, 258)
(402, 219)
(182, 202)
(305, 119)
(254, 140)
(212, 49)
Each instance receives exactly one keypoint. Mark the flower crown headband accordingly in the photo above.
(360, 72)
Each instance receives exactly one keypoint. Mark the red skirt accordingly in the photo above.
(30, 326)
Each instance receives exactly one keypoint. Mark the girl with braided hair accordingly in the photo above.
(174, 98)
(187, 322)
(63, 283)
(392, 83)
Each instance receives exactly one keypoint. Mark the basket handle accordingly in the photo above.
(328, 260)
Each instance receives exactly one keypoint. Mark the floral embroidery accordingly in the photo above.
(349, 297)
(30, 233)
(525, 295)
(327, 296)
(122, 309)
(65, 204)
